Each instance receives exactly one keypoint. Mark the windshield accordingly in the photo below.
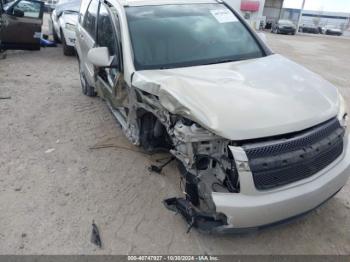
(285, 22)
(171, 36)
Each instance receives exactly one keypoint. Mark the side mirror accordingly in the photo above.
(18, 13)
(262, 37)
(99, 57)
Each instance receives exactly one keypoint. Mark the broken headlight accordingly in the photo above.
(70, 27)
(342, 114)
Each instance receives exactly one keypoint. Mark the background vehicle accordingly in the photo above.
(309, 29)
(251, 150)
(284, 27)
(64, 19)
(21, 25)
(50, 5)
(332, 30)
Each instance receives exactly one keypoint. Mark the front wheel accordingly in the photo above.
(85, 87)
(54, 33)
(153, 135)
(67, 50)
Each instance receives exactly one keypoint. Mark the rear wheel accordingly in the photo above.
(85, 87)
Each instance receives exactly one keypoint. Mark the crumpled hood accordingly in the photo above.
(247, 99)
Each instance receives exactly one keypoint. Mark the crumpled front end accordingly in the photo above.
(259, 183)
(292, 190)
(245, 163)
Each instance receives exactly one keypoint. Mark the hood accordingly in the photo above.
(247, 99)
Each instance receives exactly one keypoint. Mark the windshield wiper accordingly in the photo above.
(220, 61)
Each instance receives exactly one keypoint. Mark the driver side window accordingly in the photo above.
(106, 37)
(105, 32)
(27, 9)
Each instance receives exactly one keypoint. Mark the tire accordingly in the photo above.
(153, 139)
(85, 87)
(55, 36)
(67, 50)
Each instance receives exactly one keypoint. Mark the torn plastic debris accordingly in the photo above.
(159, 169)
(95, 235)
(205, 223)
(45, 42)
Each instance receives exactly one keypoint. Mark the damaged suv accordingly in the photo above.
(259, 139)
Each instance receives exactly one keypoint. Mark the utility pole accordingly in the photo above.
(280, 15)
(301, 14)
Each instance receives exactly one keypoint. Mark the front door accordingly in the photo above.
(21, 25)
(109, 80)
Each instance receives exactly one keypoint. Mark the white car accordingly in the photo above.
(333, 30)
(259, 139)
(64, 20)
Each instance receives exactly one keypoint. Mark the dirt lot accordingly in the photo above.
(52, 184)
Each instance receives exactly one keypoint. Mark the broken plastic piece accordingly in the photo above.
(47, 43)
(158, 169)
(203, 222)
(95, 235)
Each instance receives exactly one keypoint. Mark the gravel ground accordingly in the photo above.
(53, 184)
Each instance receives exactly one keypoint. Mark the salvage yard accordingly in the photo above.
(64, 162)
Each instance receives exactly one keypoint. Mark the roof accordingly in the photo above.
(163, 2)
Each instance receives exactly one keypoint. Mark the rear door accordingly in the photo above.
(21, 25)
(86, 38)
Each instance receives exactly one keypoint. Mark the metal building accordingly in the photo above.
(318, 18)
(273, 10)
(258, 11)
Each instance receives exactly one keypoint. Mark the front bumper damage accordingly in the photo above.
(228, 188)
(251, 209)
(70, 37)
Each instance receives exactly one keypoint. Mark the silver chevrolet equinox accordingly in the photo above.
(258, 138)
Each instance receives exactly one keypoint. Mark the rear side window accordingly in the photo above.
(91, 17)
(105, 31)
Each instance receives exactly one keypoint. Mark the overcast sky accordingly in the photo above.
(325, 5)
